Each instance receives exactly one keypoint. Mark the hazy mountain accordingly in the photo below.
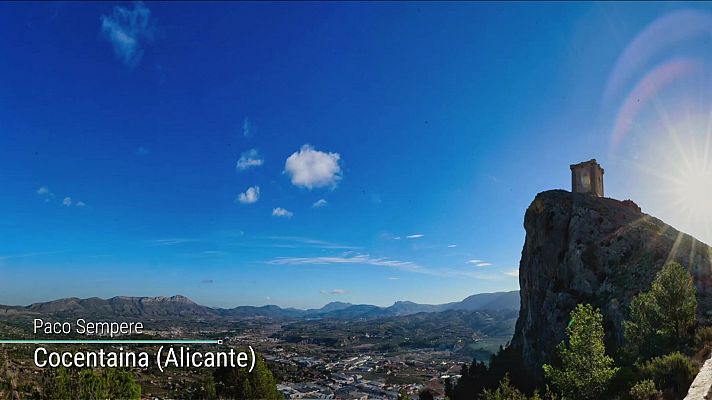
(182, 307)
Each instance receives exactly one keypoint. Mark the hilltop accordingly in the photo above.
(586, 249)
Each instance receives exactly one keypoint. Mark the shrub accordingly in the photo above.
(671, 373)
(645, 390)
(703, 336)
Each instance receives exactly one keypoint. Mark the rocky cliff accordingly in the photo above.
(585, 249)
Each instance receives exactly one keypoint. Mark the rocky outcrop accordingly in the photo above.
(586, 249)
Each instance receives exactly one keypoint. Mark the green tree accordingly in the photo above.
(661, 319)
(238, 383)
(586, 370)
(505, 391)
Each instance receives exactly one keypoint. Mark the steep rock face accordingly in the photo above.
(585, 249)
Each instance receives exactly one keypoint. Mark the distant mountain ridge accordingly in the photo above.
(178, 306)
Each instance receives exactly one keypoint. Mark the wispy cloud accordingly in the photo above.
(334, 291)
(249, 159)
(310, 168)
(27, 255)
(362, 259)
(247, 128)
(319, 203)
(299, 242)
(416, 236)
(67, 201)
(479, 263)
(251, 195)
(281, 212)
(451, 246)
(514, 273)
(207, 281)
(392, 278)
(353, 258)
(80, 204)
(128, 30)
(172, 241)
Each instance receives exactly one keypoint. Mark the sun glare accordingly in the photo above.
(685, 190)
(694, 191)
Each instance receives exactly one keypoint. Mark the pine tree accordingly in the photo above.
(586, 370)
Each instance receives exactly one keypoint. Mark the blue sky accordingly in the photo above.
(301, 153)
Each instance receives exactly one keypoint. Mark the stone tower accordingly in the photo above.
(587, 177)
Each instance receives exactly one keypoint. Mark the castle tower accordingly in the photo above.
(587, 177)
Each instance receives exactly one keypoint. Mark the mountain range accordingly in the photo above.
(180, 306)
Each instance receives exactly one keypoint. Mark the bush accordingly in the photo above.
(703, 336)
(645, 390)
(672, 373)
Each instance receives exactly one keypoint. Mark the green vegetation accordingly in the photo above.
(403, 395)
(645, 390)
(703, 336)
(661, 319)
(673, 372)
(586, 370)
(505, 391)
(238, 383)
(653, 364)
(89, 384)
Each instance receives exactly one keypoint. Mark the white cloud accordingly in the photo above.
(452, 246)
(44, 192)
(483, 264)
(392, 278)
(334, 291)
(67, 201)
(474, 261)
(319, 203)
(416, 236)
(250, 158)
(312, 168)
(128, 30)
(80, 203)
(251, 195)
(514, 273)
(281, 212)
